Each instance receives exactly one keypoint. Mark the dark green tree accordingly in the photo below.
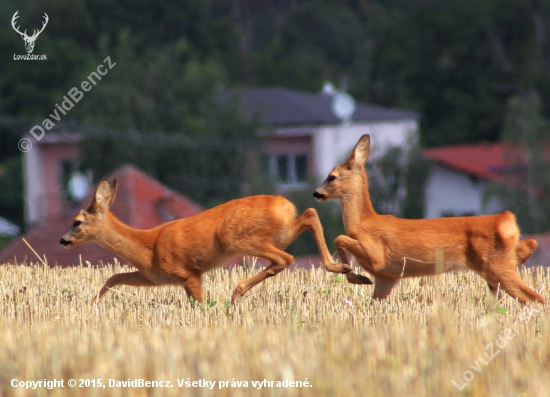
(331, 219)
(159, 110)
(526, 188)
(397, 182)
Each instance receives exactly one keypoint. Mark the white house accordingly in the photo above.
(459, 176)
(304, 138)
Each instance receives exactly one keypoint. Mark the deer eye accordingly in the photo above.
(331, 178)
(76, 223)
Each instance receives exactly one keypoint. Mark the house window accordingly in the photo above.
(265, 165)
(286, 169)
(300, 168)
(67, 168)
(283, 169)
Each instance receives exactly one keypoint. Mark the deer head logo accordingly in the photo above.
(29, 40)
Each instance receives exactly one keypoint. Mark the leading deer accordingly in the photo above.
(181, 251)
(390, 248)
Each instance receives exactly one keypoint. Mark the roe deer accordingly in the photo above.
(390, 248)
(179, 252)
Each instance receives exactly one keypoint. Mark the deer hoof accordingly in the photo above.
(236, 296)
(234, 299)
(357, 279)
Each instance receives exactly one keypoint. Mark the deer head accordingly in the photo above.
(346, 178)
(89, 224)
(29, 40)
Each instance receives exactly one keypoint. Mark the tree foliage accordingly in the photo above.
(396, 182)
(457, 62)
(158, 110)
(526, 189)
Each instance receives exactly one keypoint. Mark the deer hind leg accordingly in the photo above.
(310, 220)
(280, 260)
(514, 286)
(136, 279)
(525, 249)
(502, 270)
(383, 287)
(506, 279)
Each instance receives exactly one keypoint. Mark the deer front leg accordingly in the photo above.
(496, 291)
(136, 279)
(353, 278)
(383, 287)
(193, 287)
(366, 252)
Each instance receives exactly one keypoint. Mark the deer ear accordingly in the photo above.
(113, 192)
(104, 196)
(360, 154)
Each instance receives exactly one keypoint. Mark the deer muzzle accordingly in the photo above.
(318, 196)
(64, 242)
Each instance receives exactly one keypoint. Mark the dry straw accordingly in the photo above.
(301, 324)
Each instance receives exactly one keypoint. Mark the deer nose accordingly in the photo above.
(318, 195)
(64, 242)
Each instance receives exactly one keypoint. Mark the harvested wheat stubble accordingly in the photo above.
(302, 325)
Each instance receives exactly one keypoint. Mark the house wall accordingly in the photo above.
(43, 166)
(452, 191)
(332, 144)
(289, 145)
(32, 169)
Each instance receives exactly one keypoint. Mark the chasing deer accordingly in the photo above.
(390, 248)
(181, 251)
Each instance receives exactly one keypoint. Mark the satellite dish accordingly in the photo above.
(78, 186)
(343, 106)
(328, 88)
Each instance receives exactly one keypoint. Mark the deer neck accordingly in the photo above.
(134, 245)
(356, 204)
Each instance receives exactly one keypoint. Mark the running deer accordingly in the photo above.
(390, 248)
(181, 251)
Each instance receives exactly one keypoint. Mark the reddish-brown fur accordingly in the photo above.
(391, 248)
(181, 251)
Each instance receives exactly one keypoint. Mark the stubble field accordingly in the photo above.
(306, 329)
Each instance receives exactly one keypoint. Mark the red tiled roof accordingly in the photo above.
(485, 161)
(141, 202)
